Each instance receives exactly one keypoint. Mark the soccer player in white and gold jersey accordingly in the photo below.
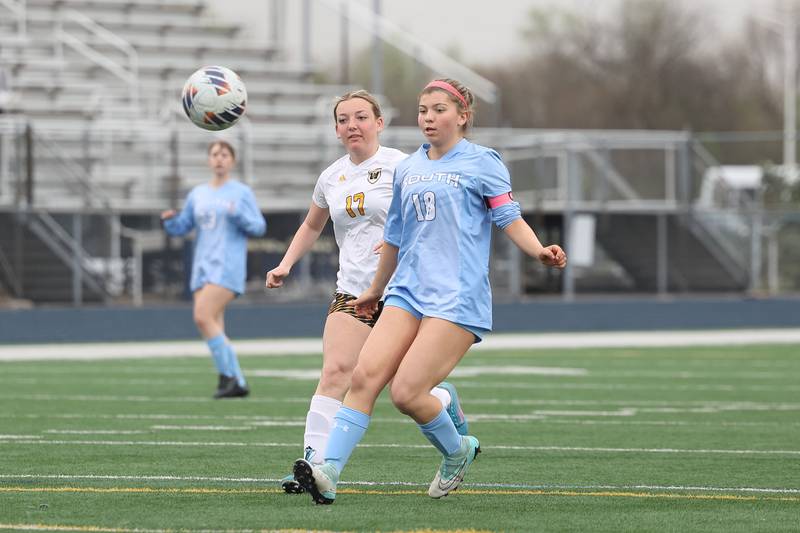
(355, 192)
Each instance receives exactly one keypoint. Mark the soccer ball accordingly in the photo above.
(214, 98)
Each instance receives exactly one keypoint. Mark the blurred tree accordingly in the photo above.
(651, 64)
(645, 66)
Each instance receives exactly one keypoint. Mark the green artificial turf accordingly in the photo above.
(678, 439)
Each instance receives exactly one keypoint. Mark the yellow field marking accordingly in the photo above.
(470, 492)
(140, 490)
(99, 529)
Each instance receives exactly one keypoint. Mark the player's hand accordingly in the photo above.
(553, 256)
(168, 214)
(378, 248)
(366, 305)
(276, 275)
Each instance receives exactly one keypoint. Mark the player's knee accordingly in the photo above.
(404, 397)
(203, 319)
(363, 380)
(335, 376)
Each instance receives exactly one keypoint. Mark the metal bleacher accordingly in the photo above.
(94, 132)
(94, 129)
(100, 80)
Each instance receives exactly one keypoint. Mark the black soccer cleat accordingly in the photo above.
(222, 384)
(232, 390)
(321, 489)
(290, 485)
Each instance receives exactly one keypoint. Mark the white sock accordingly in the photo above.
(319, 422)
(442, 395)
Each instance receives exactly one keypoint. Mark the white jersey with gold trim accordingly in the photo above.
(358, 198)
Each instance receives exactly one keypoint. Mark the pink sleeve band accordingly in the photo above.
(501, 200)
(439, 84)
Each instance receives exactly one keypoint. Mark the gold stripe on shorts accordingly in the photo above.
(339, 305)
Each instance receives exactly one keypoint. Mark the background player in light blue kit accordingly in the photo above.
(224, 213)
(446, 197)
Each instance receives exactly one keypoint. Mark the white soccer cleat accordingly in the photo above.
(451, 471)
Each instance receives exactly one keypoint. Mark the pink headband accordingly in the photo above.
(449, 88)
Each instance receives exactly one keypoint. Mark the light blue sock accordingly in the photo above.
(442, 433)
(349, 426)
(219, 354)
(233, 364)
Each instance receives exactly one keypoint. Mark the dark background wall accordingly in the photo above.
(90, 324)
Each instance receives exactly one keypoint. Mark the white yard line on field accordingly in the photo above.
(655, 406)
(258, 480)
(463, 371)
(406, 446)
(95, 432)
(533, 341)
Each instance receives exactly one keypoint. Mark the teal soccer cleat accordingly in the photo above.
(451, 471)
(454, 409)
(319, 481)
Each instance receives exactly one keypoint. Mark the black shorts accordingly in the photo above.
(339, 305)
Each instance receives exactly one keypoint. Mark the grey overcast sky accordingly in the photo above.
(481, 34)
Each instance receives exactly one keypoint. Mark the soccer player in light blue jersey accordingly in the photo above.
(224, 213)
(438, 301)
(355, 192)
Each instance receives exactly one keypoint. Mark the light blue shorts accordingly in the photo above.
(402, 303)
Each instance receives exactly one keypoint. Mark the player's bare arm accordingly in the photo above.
(526, 240)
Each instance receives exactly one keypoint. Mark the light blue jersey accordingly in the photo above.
(441, 224)
(224, 217)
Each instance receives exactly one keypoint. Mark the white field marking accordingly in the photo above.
(631, 487)
(522, 486)
(654, 423)
(503, 418)
(19, 437)
(702, 387)
(95, 432)
(147, 350)
(278, 423)
(644, 339)
(203, 428)
(538, 415)
(527, 385)
(644, 405)
(692, 406)
(305, 375)
(149, 416)
(410, 446)
(472, 371)
(99, 381)
(287, 421)
(685, 374)
(465, 371)
(113, 398)
(281, 347)
(299, 421)
(89, 370)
